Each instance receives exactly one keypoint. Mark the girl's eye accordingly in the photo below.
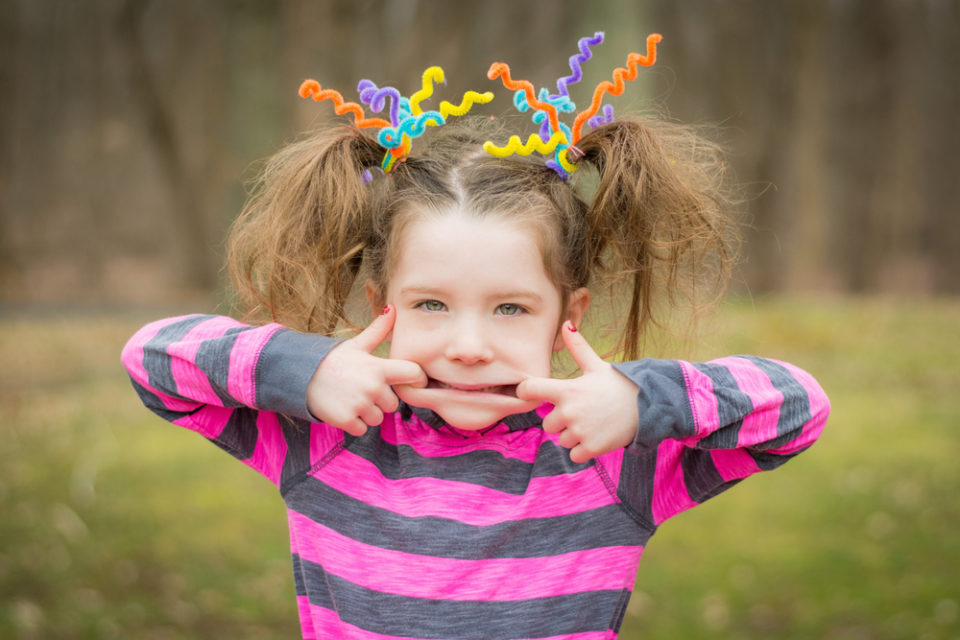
(432, 305)
(509, 309)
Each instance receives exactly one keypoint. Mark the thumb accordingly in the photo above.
(583, 354)
(377, 331)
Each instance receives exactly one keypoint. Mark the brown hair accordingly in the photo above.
(649, 222)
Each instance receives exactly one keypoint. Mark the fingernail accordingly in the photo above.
(570, 327)
(385, 311)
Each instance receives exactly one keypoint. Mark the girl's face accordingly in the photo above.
(477, 311)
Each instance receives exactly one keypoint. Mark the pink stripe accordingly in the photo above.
(132, 354)
(819, 411)
(208, 422)
(520, 445)
(670, 495)
(760, 425)
(191, 381)
(323, 439)
(132, 357)
(271, 448)
(243, 360)
(703, 400)
(307, 630)
(495, 579)
(466, 502)
(612, 463)
(734, 464)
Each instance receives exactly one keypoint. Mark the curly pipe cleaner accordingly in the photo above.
(470, 98)
(312, 89)
(414, 127)
(606, 118)
(502, 70)
(431, 76)
(534, 143)
(563, 104)
(371, 95)
(615, 88)
(576, 60)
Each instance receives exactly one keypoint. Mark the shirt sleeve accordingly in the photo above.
(241, 386)
(706, 426)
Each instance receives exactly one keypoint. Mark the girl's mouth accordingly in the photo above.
(499, 389)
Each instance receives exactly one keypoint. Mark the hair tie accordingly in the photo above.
(555, 137)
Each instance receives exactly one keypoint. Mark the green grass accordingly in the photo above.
(117, 525)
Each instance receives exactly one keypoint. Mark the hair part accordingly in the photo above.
(650, 217)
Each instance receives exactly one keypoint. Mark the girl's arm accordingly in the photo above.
(181, 366)
(676, 433)
(214, 375)
(705, 426)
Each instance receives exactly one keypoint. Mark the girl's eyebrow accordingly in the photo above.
(421, 290)
(528, 295)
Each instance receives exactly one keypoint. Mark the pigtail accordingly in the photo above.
(296, 249)
(657, 223)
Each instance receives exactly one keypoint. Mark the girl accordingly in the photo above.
(454, 489)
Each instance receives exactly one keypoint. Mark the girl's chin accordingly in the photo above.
(469, 412)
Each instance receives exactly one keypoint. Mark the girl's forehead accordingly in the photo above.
(456, 248)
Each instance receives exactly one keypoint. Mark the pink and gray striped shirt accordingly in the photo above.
(419, 530)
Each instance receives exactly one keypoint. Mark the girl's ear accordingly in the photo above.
(376, 302)
(373, 297)
(576, 308)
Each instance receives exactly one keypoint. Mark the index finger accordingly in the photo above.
(542, 389)
(583, 354)
(377, 331)
(403, 372)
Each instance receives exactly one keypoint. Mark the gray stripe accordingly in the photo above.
(768, 461)
(287, 362)
(157, 362)
(662, 402)
(483, 467)
(296, 433)
(795, 409)
(153, 402)
(732, 405)
(700, 475)
(433, 536)
(299, 583)
(635, 488)
(213, 358)
(239, 435)
(396, 615)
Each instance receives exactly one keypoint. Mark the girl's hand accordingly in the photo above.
(351, 387)
(593, 414)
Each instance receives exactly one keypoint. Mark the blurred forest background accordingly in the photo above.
(129, 127)
(129, 133)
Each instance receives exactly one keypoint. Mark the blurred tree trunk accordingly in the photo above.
(865, 92)
(805, 206)
(939, 176)
(199, 263)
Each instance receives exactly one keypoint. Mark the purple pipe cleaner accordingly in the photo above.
(605, 118)
(585, 54)
(371, 95)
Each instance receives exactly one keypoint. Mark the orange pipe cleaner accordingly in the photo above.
(312, 89)
(616, 87)
(502, 70)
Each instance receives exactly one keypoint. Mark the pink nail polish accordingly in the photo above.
(385, 311)
(571, 328)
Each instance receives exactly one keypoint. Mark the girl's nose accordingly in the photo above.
(467, 344)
